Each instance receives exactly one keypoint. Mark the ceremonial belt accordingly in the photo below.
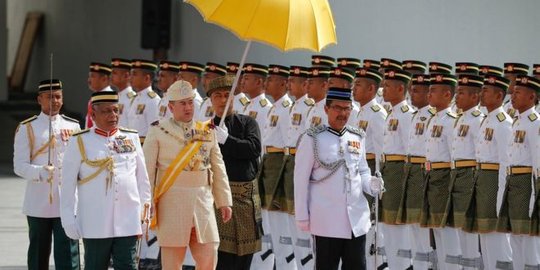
(488, 166)
(394, 157)
(416, 159)
(465, 163)
(142, 140)
(271, 149)
(514, 170)
(437, 165)
(290, 151)
(370, 156)
(174, 169)
(31, 138)
(101, 164)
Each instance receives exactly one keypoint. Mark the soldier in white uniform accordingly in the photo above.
(317, 86)
(465, 134)
(490, 177)
(167, 75)
(253, 78)
(511, 71)
(99, 76)
(518, 201)
(211, 71)
(438, 149)
(276, 195)
(120, 77)
(240, 100)
(330, 178)
(145, 107)
(105, 189)
(396, 138)
(191, 72)
(371, 119)
(295, 126)
(31, 158)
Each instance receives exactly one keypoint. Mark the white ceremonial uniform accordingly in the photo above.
(332, 200)
(258, 109)
(275, 135)
(317, 116)
(491, 146)
(465, 135)
(125, 99)
(163, 111)
(206, 112)
(354, 111)
(31, 154)
(295, 127)
(419, 237)
(396, 140)
(371, 119)
(144, 111)
(240, 101)
(522, 151)
(110, 204)
(438, 145)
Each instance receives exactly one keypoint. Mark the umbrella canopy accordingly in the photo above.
(284, 24)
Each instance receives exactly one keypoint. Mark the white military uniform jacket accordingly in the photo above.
(240, 101)
(439, 136)
(109, 205)
(523, 145)
(332, 200)
(492, 143)
(31, 154)
(125, 99)
(465, 134)
(163, 111)
(258, 109)
(276, 132)
(144, 111)
(396, 131)
(317, 116)
(206, 112)
(417, 138)
(297, 119)
(371, 119)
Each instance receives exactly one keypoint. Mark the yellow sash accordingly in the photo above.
(174, 169)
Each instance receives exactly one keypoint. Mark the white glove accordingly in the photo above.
(45, 173)
(377, 185)
(72, 231)
(222, 133)
(303, 225)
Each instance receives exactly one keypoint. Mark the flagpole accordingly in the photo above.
(235, 82)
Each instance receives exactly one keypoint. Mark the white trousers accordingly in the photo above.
(496, 250)
(370, 258)
(422, 252)
(264, 260)
(303, 246)
(470, 254)
(397, 245)
(525, 251)
(282, 243)
(448, 249)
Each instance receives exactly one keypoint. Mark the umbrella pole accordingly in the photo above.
(235, 82)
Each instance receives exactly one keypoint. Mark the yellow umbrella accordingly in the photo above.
(284, 24)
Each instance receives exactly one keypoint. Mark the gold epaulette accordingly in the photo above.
(451, 114)
(286, 103)
(309, 101)
(151, 94)
(405, 108)
(70, 119)
(81, 132)
(28, 120)
(245, 101)
(263, 102)
(375, 108)
(476, 113)
(532, 117)
(128, 130)
(131, 94)
(432, 111)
